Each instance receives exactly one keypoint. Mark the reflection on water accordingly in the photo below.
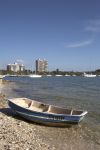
(74, 92)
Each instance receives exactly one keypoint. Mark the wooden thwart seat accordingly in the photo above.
(58, 110)
(38, 106)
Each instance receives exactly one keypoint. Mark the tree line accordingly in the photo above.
(55, 72)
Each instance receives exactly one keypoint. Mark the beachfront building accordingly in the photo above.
(41, 65)
(16, 67)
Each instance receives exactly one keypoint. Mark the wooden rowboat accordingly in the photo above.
(44, 113)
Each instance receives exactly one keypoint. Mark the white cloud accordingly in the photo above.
(93, 25)
(79, 44)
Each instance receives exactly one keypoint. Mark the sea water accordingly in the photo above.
(72, 92)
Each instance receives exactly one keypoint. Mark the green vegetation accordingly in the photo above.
(55, 72)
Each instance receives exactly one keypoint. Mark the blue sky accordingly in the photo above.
(65, 32)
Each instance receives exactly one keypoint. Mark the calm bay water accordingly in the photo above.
(72, 92)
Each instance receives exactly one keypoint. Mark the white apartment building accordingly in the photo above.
(41, 65)
(16, 67)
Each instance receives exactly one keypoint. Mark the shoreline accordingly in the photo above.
(19, 134)
(16, 133)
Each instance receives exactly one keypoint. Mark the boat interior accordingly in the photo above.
(41, 107)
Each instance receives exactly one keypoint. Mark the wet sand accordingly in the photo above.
(19, 134)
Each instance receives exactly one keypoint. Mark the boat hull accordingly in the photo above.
(45, 118)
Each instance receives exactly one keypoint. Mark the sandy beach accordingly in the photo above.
(19, 134)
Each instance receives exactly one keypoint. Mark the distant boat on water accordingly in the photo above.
(34, 76)
(67, 75)
(44, 113)
(89, 75)
(2, 76)
(58, 75)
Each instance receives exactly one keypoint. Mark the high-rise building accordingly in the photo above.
(41, 65)
(15, 67)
